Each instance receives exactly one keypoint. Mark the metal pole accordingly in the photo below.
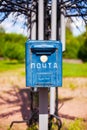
(28, 29)
(62, 28)
(41, 19)
(54, 20)
(43, 109)
(33, 23)
(43, 92)
(53, 37)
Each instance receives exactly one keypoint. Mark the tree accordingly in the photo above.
(82, 54)
(76, 8)
(72, 45)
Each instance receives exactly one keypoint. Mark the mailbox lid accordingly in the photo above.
(40, 49)
(41, 76)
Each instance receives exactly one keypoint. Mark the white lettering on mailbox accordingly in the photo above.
(55, 65)
(43, 65)
(49, 65)
(38, 65)
(32, 65)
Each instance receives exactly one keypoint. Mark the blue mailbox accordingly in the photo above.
(43, 63)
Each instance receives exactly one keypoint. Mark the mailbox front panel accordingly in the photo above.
(43, 63)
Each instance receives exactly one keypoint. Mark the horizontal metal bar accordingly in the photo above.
(75, 15)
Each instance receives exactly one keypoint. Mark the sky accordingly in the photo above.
(18, 27)
(10, 27)
(78, 26)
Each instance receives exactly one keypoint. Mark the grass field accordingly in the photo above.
(69, 69)
(10, 65)
(74, 69)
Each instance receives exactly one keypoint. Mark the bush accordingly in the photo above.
(2, 41)
(13, 51)
(82, 54)
(72, 48)
(72, 45)
(12, 46)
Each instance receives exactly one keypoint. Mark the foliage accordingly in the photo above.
(72, 46)
(76, 47)
(76, 125)
(33, 127)
(12, 46)
(83, 51)
(13, 51)
(81, 38)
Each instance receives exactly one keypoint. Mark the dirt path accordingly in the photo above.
(15, 103)
(73, 96)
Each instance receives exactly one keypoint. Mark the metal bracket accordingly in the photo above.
(13, 122)
(34, 118)
(58, 122)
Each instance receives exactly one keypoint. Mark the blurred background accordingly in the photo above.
(15, 97)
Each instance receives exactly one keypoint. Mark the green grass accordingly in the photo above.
(69, 69)
(7, 65)
(77, 124)
(74, 69)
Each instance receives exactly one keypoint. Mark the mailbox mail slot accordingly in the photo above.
(43, 63)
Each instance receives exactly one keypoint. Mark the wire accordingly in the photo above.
(75, 25)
